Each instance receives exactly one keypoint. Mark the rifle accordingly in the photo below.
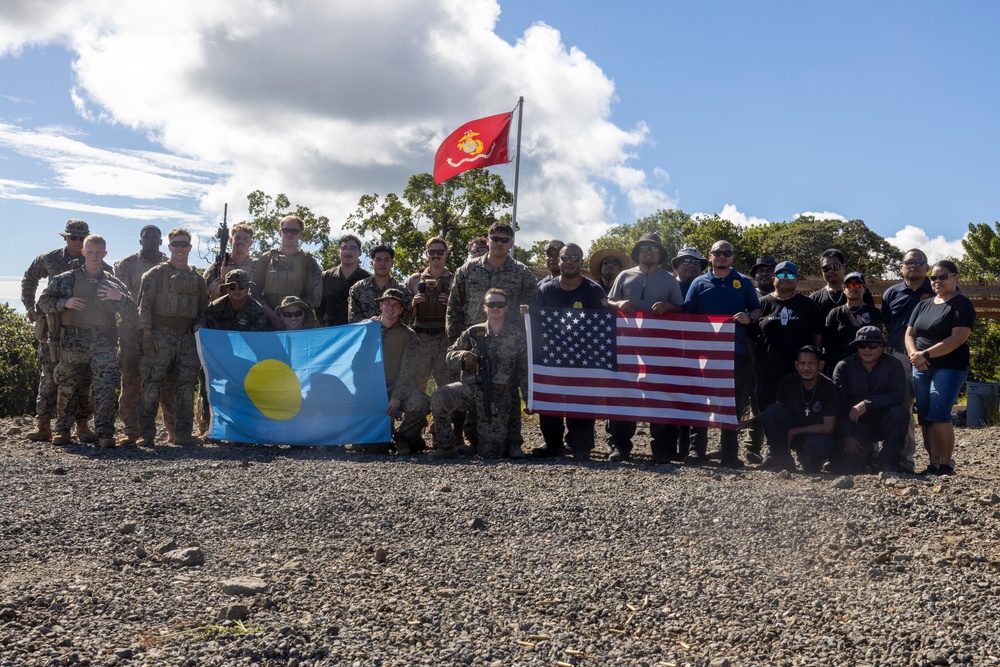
(53, 322)
(485, 376)
(223, 235)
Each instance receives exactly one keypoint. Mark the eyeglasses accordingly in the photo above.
(785, 276)
(294, 231)
(647, 248)
(689, 260)
(289, 314)
(348, 248)
(869, 346)
(500, 239)
(914, 262)
(479, 250)
(180, 244)
(234, 287)
(435, 253)
(722, 253)
(943, 276)
(570, 258)
(76, 238)
(854, 284)
(830, 268)
(496, 304)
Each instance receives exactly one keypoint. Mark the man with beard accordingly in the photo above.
(763, 275)
(648, 288)
(606, 264)
(552, 251)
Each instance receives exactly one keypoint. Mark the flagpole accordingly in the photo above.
(517, 162)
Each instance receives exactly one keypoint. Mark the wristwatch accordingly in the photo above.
(927, 355)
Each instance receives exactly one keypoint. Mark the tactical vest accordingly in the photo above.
(285, 276)
(431, 313)
(176, 302)
(85, 287)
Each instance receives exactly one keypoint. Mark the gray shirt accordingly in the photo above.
(645, 289)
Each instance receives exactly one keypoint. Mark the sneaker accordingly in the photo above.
(753, 457)
(695, 459)
(777, 465)
(734, 463)
(515, 452)
(945, 470)
(617, 455)
(545, 451)
(931, 469)
(715, 455)
(581, 454)
(106, 442)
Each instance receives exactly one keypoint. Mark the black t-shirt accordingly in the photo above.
(809, 406)
(783, 328)
(842, 324)
(827, 300)
(587, 294)
(933, 322)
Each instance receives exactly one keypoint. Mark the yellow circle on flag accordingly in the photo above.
(274, 388)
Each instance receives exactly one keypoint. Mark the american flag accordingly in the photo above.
(676, 369)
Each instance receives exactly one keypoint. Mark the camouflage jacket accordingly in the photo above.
(48, 265)
(220, 315)
(465, 304)
(269, 267)
(508, 349)
(336, 291)
(361, 304)
(129, 270)
(212, 274)
(153, 288)
(60, 289)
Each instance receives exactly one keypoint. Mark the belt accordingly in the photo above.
(93, 331)
(172, 331)
(429, 330)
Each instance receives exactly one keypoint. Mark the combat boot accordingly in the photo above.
(439, 453)
(106, 442)
(187, 440)
(128, 439)
(145, 442)
(42, 432)
(83, 431)
(62, 438)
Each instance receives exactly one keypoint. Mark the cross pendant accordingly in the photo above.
(807, 412)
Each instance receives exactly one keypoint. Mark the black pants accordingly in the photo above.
(579, 432)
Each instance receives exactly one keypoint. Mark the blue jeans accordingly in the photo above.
(936, 390)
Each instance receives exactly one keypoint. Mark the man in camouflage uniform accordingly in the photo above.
(400, 349)
(239, 257)
(501, 346)
(171, 298)
(49, 265)
(495, 269)
(338, 281)
(430, 290)
(287, 271)
(88, 298)
(237, 310)
(129, 270)
(362, 303)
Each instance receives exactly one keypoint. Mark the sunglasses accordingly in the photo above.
(479, 250)
(76, 238)
(611, 260)
(647, 248)
(869, 346)
(570, 258)
(830, 268)
(785, 276)
(500, 239)
(914, 262)
(690, 260)
(854, 284)
(722, 253)
(496, 304)
(233, 287)
(435, 253)
(943, 276)
(294, 231)
(289, 314)
(180, 244)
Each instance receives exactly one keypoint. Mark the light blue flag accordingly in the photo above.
(313, 387)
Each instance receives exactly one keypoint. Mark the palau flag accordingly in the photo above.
(313, 387)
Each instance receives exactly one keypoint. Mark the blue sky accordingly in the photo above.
(758, 111)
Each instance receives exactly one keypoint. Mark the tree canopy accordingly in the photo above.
(266, 213)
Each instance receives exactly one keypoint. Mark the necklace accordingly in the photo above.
(839, 298)
(811, 396)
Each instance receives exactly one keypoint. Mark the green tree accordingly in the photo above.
(458, 210)
(982, 262)
(18, 364)
(804, 239)
(266, 213)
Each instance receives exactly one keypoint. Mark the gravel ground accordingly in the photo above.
(128, 557)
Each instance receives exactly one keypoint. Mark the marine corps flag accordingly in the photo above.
(478, 143)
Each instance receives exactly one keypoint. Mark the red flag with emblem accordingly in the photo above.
(478, 143)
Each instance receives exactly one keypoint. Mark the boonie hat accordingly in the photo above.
(75, 227)
(238, 277)
(648, 239)
(290, 301)
(391, 293)
(868, 335)
(692, 253)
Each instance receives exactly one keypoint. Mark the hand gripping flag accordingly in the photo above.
(312, 387)
(674, 369)
(478, 143)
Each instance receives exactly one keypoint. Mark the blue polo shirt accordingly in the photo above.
(898, 303)
(711, 295)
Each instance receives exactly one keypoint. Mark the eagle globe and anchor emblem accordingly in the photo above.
(472, 147)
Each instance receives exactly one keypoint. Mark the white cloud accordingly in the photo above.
(825, 215)
(326, 101)
(10, 292)
(729, 212)
(936, 248)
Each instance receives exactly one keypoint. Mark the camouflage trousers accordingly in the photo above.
(177, 355)
(131, 394)
(415, 407)
(48, 390)
(87, 358)
(496, 434)
(432, 362)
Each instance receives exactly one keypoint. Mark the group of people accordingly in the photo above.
(814, 375)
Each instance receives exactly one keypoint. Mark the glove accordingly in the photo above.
(148, 346)
(470, 363)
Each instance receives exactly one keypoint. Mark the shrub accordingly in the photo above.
(18, 364)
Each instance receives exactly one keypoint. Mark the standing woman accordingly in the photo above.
(936, 344)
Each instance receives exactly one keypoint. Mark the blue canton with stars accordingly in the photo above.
(575, 338)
